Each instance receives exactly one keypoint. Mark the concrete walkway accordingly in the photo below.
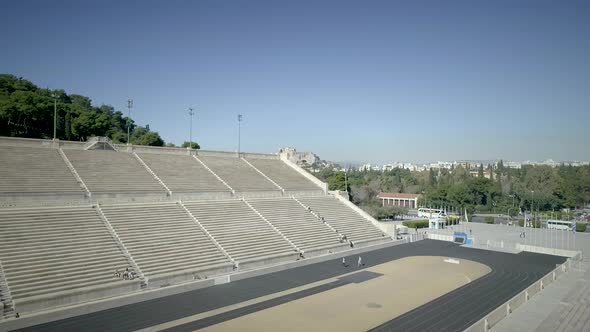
(562, 306)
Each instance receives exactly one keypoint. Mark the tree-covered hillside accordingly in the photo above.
(545, 188)
(27, 111)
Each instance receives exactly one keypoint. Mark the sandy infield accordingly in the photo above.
(405, 284)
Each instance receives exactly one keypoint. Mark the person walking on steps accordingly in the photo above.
(344, 262)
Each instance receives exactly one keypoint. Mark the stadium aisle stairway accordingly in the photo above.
(105, 171)
(182, 173)
(32, 170)
(48, 253)
(164, 240)
(283, 175)
(238, 174)
(240, 231)
(297, 224)
(344, 219)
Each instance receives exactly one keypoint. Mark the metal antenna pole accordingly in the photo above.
(129, 106)
(239, 133)
(190, 140)
(54, 95)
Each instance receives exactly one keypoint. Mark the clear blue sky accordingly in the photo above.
(371, 81)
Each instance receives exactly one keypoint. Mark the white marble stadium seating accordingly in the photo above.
(344, 219)
(53, 256)
(298, 225)
(182, 173)
(238, 174)
(35, 170)
(165, 242)
(283, 175)
(241, 231)
(105, 171)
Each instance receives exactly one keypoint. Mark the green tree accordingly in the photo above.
(431, 178)
(480, 171)
(142, 136)
(195, 145)
(337, 181)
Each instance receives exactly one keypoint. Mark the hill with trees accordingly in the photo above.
(27, 111)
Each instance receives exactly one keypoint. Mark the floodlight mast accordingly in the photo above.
(190, 137)
(54, 95)
(129, 106)
(239, 133)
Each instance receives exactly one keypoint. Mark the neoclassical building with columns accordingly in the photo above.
(399, 199)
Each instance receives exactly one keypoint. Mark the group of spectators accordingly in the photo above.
(126, 275)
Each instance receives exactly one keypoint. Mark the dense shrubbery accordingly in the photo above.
(416, 223)
(384, 212)
(581, 227)
(453, 220)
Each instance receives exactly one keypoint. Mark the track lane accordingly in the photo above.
(447, 308)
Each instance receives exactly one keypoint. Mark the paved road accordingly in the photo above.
(453, 311)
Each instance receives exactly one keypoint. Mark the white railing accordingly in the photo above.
(153, 173)
(76, 175)
(265, 176)
(273, 227)
(209, 235)
(214, 174)
(496, 315)
(99, 139)
(122, 246)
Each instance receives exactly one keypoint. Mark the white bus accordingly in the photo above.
(559, 224)
(427, 213)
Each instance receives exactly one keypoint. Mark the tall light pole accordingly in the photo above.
(129, 106)
(533, 206)
(190, 139)
(54, 95)
(345, 182)
(239, 133)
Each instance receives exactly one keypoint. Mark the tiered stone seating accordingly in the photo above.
(238, 174)
(297, 224)
(35, 170)
(48, 253)
(164, 240)
(344, 219)
(105, 171)
(182, 173)
(283, 175)
(239, 230)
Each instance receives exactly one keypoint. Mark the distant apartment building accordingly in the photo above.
(467, 164)
(512, 164)
(486, 173)
(369, 167)
(364, 167)
(388, 167)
